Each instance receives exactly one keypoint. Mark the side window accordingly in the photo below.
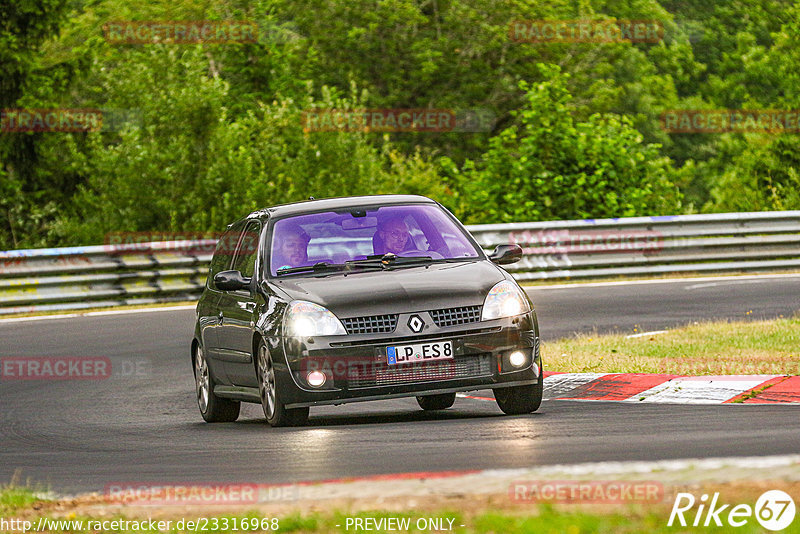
(244, 260)
(223, 253)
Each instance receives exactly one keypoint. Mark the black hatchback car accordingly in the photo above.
(355, 299)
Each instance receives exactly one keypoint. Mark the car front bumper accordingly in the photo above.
(356, 367)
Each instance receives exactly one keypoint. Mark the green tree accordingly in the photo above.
(193, 164)
(25, 201)
(555, 167)
(762, 171)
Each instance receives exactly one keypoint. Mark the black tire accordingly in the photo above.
(214, 409)
(519, 400)
(436, 402)
(274, 410)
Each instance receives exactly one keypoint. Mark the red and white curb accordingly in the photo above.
(670, 389)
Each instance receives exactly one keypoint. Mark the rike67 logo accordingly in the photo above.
(774, 510)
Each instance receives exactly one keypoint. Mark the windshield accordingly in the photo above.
(360, 234)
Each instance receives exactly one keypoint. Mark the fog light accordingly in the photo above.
(315, 378)
(517, 358)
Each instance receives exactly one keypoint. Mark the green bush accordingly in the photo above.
(556, 167)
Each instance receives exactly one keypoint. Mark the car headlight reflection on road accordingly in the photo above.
(504, 300)
(306, 319)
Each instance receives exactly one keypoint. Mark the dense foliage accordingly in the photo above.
(207, 132)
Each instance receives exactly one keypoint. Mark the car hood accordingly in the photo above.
(408, 289)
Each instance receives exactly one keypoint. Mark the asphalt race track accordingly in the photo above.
(651, 305)
(142, 425)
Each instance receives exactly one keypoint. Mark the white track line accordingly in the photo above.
(576, 285)
(98, 313)
(141, 310)
(579, 285)
(653, 333)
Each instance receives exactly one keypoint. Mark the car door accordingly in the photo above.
(208, 310)
(237, 308)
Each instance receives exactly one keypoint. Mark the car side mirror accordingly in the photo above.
(506, 254)
(231, 281)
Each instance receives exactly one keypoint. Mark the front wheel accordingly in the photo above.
(436, 402)
(274, 410)
(518, 400)
(213, 409)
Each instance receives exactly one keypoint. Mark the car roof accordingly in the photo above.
(339, 203)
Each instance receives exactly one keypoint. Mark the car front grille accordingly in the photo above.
(371, 324)
(382, 374)
(456, 316)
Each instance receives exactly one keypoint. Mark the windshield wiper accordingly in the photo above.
(317, 268)
(388, 260)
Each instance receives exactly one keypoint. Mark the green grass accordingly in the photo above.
(14, 498)
(19, 502)
(742, 347)
(551, 521)
(541, 519)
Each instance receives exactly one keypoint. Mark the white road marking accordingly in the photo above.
(98, 313)
(653, 333)
(579, 285)
(142, 310)
(725, 283)
(39, 318)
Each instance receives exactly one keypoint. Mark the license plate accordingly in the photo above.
(420, 352)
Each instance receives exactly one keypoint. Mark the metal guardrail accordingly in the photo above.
(106, 275)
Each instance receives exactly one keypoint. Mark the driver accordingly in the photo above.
(293, 247)
(395, 235)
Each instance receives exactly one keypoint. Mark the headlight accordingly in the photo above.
(504, 300)
(306, 319)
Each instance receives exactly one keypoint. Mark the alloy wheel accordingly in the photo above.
(201, 380)
(266, 381)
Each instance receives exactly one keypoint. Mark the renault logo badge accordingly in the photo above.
(415, 323)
